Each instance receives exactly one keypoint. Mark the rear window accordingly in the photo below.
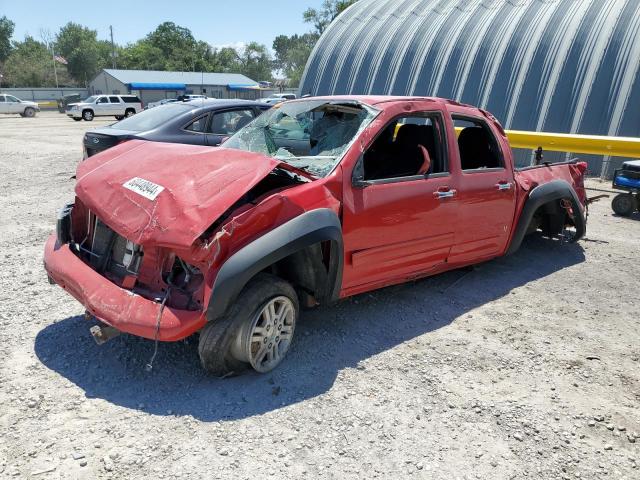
(131, 100)
(152, 118)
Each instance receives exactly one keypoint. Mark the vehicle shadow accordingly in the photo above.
(328, 340)
(633, 216)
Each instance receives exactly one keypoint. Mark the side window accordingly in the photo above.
(477, 145)
(226, 123)
(11, 98)
(408, 146)
(114, 99)
(198, 125)
(103, 100)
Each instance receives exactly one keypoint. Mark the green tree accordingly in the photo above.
(6, 31)
(255, 62)
(30, 65)
(321, 18)
(142, 55)
(79, 45)
(225, 60)
(168, 47)
(292, 53)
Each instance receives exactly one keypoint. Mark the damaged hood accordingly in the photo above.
(166, 194)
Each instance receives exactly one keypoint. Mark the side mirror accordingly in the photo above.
(357, 178)
(224, 139)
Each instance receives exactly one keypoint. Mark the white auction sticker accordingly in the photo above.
(144, 187)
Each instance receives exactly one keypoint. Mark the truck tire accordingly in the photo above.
(87, 115)
(129, 112)
(256, 331)
(29, 112)
(624, 204)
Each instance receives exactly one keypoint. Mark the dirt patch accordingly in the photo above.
(528, 367)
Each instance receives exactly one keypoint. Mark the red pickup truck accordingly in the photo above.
(315, 200)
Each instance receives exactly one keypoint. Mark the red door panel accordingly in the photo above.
(397, 230)
(487, 202)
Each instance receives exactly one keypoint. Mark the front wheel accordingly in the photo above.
(87, 115)
(29, 112)
(624, 204)
(256, 332)
(76, 119)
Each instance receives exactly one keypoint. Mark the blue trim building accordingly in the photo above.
(152, 85)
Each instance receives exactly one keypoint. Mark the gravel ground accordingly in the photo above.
(524, 367)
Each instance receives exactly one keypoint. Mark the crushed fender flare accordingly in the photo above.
(540, 195)
(303, 231)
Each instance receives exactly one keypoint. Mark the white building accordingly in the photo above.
(152, 85)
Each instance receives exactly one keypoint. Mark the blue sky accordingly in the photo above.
(218, 22)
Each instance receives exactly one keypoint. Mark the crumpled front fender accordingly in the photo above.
(120, 308)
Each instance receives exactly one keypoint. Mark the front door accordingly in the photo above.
(3, 105)
(13, 105)
(486, 193)
(400, 223)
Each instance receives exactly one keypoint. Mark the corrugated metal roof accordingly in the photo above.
(568, 66)
(188, 78)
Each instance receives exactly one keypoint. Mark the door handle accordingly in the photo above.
(504, 186)
(446, 192)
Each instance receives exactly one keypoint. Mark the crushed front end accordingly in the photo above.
(145, 291)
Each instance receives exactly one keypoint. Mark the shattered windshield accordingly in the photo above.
(311, 135)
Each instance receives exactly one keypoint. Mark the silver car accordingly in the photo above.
(12, 105)
(119, 106)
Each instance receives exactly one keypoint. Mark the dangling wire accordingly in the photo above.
(149, 366)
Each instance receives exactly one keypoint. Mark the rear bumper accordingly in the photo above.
(113, 305)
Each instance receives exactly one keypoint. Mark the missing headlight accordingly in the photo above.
(184, 277)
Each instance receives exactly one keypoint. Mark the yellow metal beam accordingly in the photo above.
(564, 142)
(585, 144)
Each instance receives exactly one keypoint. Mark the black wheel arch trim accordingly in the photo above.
(307, 229)
(540, 195)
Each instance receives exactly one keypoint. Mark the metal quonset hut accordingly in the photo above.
(567, 66)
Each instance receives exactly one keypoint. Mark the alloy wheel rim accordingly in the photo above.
(265, 340)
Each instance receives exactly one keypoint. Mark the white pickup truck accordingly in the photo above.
(11, 104)
(119, 106)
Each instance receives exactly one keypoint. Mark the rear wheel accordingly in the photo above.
(256, 332)
(87, 115)
(119, 117)
(624, 204)
(129, 112)
(29, 112)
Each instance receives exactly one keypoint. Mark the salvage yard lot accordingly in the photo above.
(524, 367)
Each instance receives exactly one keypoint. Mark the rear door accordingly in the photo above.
(400, 223)
(116, 105)
(485, 192)
(225, 123)
(194, 132)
